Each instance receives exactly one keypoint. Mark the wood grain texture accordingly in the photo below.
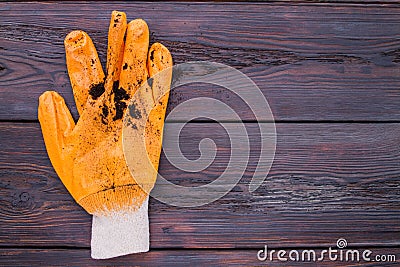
(337, 61)
(326, 2)
(46, 257)
(327, 181)
(312, 61)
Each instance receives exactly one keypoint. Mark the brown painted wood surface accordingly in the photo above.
(45, 257)
(311, 61)
(331, 74)
(327, 181)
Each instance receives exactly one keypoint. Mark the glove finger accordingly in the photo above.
(137, 156)
(115, 52)
(56, 123)
(159, 65)
(160, 69)
(146, 120)
(134, 71)
(84, 68)
(160, 62)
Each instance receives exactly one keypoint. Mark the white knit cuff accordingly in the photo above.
(120, 233)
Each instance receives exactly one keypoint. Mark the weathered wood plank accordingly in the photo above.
(312, 61)
(327, 181)
(65, 257)
(328, 2)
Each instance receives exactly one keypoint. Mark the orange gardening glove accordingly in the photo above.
(88, 156)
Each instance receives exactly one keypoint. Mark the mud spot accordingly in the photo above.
(120, 95)
(119, 110)
(104, 114)
(134, 112)
(96, 90)
(152, 55)
(150, 82)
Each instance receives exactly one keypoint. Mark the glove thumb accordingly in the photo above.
(56, 123)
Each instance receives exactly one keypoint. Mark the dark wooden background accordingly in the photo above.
(331, 74)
